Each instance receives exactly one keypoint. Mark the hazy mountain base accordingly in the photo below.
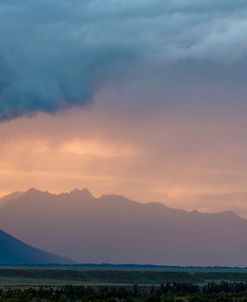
(113, 229)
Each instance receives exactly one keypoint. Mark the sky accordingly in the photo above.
(142, 98)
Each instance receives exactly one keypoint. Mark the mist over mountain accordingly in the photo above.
(16, 252)
(114, 229)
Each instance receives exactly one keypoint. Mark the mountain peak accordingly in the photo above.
(35, 192)
(230, 214)
(83, 193)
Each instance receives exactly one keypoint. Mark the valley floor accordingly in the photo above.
(116, 276)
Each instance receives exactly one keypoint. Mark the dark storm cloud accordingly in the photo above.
(56, 54)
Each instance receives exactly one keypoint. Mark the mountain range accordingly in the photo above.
(15, 252)
(114, 229)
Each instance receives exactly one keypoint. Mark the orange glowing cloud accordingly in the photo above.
(163, 156)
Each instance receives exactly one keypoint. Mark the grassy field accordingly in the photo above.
(60, 276)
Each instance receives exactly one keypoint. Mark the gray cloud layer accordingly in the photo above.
(55, 54)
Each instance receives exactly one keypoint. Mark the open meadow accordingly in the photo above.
(114, 276)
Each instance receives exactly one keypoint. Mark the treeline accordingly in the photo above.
(166, 292)
(225, 287)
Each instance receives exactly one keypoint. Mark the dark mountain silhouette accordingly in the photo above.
(114, 229)
(16, 252)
